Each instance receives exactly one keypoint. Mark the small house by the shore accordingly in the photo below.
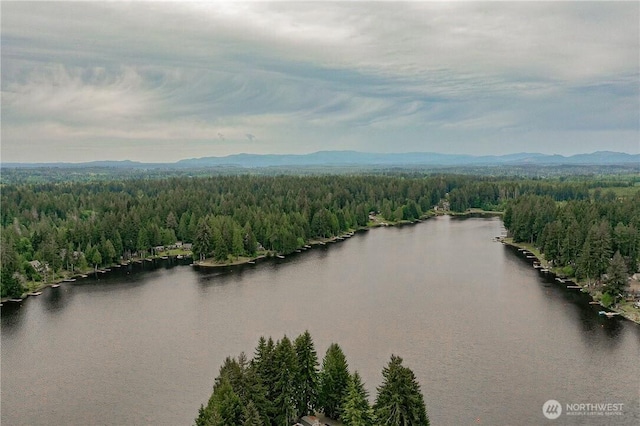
(633, 287)
(37, 266)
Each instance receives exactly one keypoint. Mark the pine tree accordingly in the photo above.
(262, 361)
(171, 221)
(571, 243)
(220, 249)
(227, 404)
(251, 415)
(284, 386)
(626, 241)
(617, 276)
(263, 368)
(202, 243)
(10, 286)
(307, 380)
(356, 410)
(399, 400)
(596, 252)
(207, 417)
(231, 372)
(256, 393)
(249, 240)
(334, 379)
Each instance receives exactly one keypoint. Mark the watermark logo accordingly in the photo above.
(552, 409)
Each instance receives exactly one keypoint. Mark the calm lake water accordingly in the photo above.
(490, 340)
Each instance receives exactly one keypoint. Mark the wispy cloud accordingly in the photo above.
(452, 77)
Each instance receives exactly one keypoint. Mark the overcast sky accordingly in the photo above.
(165, 81)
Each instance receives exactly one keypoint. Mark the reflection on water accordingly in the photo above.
(488, 337)
(54, 299)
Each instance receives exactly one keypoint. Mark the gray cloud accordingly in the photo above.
(108, 80)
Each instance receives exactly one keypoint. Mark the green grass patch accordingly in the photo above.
(210, 262)
(176, 252)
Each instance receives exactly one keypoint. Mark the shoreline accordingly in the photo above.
(36, 291)
(376, 222)
(543, 266)
(209, 263)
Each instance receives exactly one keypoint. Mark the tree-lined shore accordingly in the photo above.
(51, 231)
(595, 242)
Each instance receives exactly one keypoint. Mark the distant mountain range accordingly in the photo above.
(346, 158)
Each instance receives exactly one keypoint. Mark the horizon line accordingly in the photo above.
(316, 152)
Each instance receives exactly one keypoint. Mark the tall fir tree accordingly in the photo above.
(202, 244)
(356, 410)
(596, 252)
(284, 385)
(617, 276)
(400, 401)
(223, 409)
(264, 367)
(251, 415)
(307, 379)
(334, 379)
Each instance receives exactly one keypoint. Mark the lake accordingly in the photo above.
(489, 338)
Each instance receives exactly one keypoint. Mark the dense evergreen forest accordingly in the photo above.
(100, 172)
(596, 240)
(283, 382)
(70, 226)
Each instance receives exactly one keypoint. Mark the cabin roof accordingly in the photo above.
(310, 421)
